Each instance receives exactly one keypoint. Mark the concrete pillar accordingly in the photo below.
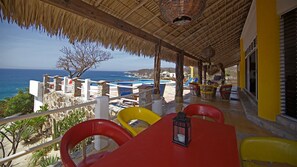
(145, 97)
(268, 44)
(65, 83)
(101, 112)
(87, 89)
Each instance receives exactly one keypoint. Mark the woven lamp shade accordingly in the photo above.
(208, 52)
(181, 12)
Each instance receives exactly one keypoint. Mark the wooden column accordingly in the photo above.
(157, 70)
(221, 66)
(76, 87)
(46, 81)
(57, 83)
(204, 73)
(200, 71)
(179, 71)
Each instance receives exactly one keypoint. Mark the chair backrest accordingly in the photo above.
(162, 89)
(226, 88)
(89, 128)
(269, 149)
(128, 114)
(205, 110)
(122, 91)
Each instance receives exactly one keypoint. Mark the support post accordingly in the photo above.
(101, 112)
(204, 73)
(200, 71)
(57, 83)
(46, 81)
(221, 66)
(65, 83)
(157, 70)
(145, 97)
(76, 87)
(103, 88)
(87, 89)
(179, 70)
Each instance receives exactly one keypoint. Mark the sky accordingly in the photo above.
(32, 49)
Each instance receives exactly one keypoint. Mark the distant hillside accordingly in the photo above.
(149, 73)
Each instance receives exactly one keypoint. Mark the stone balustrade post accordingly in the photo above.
(57, 83)
(101, 112)
(76, 87)
(87, 89)
(65, 83)
(145, 96)
(46, 81)
(103, 88)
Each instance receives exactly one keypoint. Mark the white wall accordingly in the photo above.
(249, 31)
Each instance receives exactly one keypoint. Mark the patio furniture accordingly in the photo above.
(212, 144)
(162, 88)
(127, 115)
(207, 92)
(225, 91)
(268, 149)
(205, 110)
(86, 129)
(125, 89)
(194, 89)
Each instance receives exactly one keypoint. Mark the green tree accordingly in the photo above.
(22, 103)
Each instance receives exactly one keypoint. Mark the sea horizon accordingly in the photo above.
(13, 79)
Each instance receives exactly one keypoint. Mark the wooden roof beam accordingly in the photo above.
(85, 10)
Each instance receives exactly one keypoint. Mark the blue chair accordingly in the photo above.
(161, 87)
(123, 91)
(187, 83)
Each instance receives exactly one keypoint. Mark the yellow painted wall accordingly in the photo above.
(268, 41)
(242, 66)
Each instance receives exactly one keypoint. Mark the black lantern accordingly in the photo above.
(181, 129)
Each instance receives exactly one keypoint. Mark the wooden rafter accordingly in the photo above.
(134, 9)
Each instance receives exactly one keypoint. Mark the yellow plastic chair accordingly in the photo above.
(268, 149)
(126, 115)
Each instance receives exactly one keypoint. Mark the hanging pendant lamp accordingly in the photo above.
(208, 52)
(181, 12)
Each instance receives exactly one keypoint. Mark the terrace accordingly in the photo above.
(255, 35)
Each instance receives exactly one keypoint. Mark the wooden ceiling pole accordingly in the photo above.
(85, 10)
(157, 71)
(200, 71)
(179, 72)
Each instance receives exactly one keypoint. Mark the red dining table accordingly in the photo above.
(212, 145)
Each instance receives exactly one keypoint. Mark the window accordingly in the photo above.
(251, 68)
(289, 63)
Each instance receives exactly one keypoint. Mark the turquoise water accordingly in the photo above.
(13, 79)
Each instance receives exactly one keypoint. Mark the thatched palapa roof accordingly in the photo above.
(136, 26)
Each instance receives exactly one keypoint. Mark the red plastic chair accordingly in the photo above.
(225, 91)
(86, 129)
(205, 110)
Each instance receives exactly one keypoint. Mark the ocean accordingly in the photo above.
(11, 80)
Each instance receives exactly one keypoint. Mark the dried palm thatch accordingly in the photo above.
(58, 22)
(220, 26)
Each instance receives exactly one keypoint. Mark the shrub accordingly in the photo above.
(23, 103)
